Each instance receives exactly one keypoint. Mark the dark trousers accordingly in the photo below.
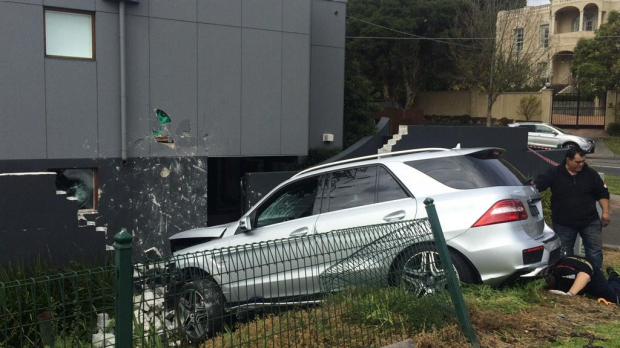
(592, 236)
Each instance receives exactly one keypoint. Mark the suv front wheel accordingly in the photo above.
(199, 309)
(569, 145)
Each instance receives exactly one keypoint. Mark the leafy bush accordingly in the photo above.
(504, 121)
(463, 120)
(613, 129)
(317, 155)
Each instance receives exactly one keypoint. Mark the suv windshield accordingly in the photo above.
(479, 170)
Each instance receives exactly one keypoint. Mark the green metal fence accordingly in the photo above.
(58, 310)
(368, 286)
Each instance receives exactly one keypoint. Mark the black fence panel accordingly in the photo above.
(577, 110)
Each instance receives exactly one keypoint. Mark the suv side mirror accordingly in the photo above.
(245, 224)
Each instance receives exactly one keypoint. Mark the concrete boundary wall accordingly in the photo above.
(474, 103)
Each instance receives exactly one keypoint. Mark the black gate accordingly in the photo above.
(578, 110)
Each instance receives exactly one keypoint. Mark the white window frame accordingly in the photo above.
(575, 25)
(543, 68)
(588, 23)
(63, 40)
(518, 39)
(544, 36)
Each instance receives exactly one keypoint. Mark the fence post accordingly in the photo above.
(123, 324)
(455, 291)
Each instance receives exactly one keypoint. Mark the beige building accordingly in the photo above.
(554, 29)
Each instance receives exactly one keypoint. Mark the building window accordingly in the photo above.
(544, 36)
(69, 34)
(518, 38)
(588, 23)
(542, 69)
(575, 24)
(79, 185)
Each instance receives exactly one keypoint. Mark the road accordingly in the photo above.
(603, 160)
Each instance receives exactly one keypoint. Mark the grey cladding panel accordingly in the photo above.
(219, 90)
(137, 64)
(224, 12)
(173, 83)
(31, 2)
(183, 10)
(141, 8)
(87, 5)
(22, 92)
(326, 94)
(295, 93)
(261, 92)
(262, 14)
(296, 16)
(108, 85)
(71, 87)
(328, 23)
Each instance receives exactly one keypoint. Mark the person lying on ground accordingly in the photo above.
(574, 275)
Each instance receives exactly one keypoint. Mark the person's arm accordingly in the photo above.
(604, 203)
(581, 280)
(543, 181)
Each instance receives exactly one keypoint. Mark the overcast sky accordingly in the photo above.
(537, 2)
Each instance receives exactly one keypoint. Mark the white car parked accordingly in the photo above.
(549, 136)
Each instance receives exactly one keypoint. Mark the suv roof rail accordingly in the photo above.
(379, 155)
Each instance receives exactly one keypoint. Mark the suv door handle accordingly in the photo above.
(399, 215)
(299, 232)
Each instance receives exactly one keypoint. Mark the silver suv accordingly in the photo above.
(548, 136)
(491, 219)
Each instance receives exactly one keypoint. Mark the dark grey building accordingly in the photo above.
(247, 85)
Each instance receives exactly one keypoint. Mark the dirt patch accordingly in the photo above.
(557, 318)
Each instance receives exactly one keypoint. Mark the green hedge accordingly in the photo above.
(464, 120)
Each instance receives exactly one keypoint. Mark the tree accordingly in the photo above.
(529, 107)
(500, 48)
(358, 105)
(405, 62)
(596, 62)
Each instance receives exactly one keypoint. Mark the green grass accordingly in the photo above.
(613, 144)
(508, 300)
(613, 184)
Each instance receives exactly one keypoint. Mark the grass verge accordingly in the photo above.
(613, 184)
(613, 144)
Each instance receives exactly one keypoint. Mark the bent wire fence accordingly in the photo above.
(368, 286)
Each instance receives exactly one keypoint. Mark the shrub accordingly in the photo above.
(613, 129)
(529, 107)
(504, 121)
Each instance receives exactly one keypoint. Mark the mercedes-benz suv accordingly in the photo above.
(491, 218)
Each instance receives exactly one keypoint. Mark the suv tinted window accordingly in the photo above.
(470, 172)
(352, 188)
(291, 202)
(389, 189)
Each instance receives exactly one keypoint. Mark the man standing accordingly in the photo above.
(575, 189)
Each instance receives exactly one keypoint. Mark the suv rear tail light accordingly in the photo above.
(503, 211)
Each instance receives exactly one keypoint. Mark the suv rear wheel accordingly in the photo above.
(199, 309)
(420, 270)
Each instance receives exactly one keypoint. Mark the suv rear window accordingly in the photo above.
(484, 169)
